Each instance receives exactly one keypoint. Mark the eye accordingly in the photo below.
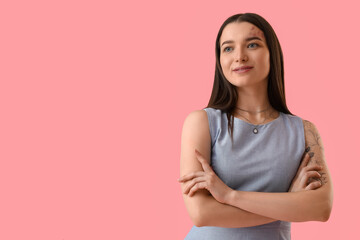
(226, 49)
(253, 44)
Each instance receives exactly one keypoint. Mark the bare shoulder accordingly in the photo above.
(196, 129)
(195, 135)
(312, 135)
(196, 116)
(315, 148)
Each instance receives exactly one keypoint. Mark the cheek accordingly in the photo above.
(266, 60)
(225, 66)
(267, 64)
(224, 62)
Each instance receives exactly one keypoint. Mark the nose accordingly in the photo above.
(241, 56)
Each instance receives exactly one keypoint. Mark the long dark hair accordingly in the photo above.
(224, 95)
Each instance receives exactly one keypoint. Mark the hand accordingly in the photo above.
(206, 179)
(305, 178)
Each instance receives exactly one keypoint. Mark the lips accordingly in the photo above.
(242, 68)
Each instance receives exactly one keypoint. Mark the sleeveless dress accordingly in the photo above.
(266, 161)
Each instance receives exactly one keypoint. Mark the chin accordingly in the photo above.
(246, 82)
(240, 83)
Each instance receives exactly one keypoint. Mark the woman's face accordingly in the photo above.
(244, 44)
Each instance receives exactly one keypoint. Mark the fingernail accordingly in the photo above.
(307, 149)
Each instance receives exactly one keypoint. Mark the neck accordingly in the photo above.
(254, 99)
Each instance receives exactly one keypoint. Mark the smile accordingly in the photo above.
(243, 70)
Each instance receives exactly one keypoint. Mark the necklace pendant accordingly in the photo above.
(255, 131)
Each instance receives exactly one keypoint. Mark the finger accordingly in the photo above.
(313, 167)
(310, 174)
(193, 182)
(191, 175)
(204, 163)
(313, 185)
(313, 174)
(305, 160)
(306, 169)
(197, 186)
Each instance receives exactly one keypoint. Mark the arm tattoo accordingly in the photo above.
(315, 148)
(313, 136)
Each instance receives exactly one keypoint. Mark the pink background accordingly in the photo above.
(93, 96)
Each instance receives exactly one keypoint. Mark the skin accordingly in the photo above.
(315, 149)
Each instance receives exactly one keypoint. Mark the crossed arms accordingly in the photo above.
(245, 209)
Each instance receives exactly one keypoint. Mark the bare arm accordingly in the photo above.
(312, 205)
(202, 207)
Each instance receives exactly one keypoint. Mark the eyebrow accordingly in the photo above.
(246, 40)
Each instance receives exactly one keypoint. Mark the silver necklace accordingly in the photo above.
(255, 130)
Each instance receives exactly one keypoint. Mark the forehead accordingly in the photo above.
(240, 31)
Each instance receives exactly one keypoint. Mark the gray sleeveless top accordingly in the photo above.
(265, 161)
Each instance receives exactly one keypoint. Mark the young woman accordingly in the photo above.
(249, 166)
